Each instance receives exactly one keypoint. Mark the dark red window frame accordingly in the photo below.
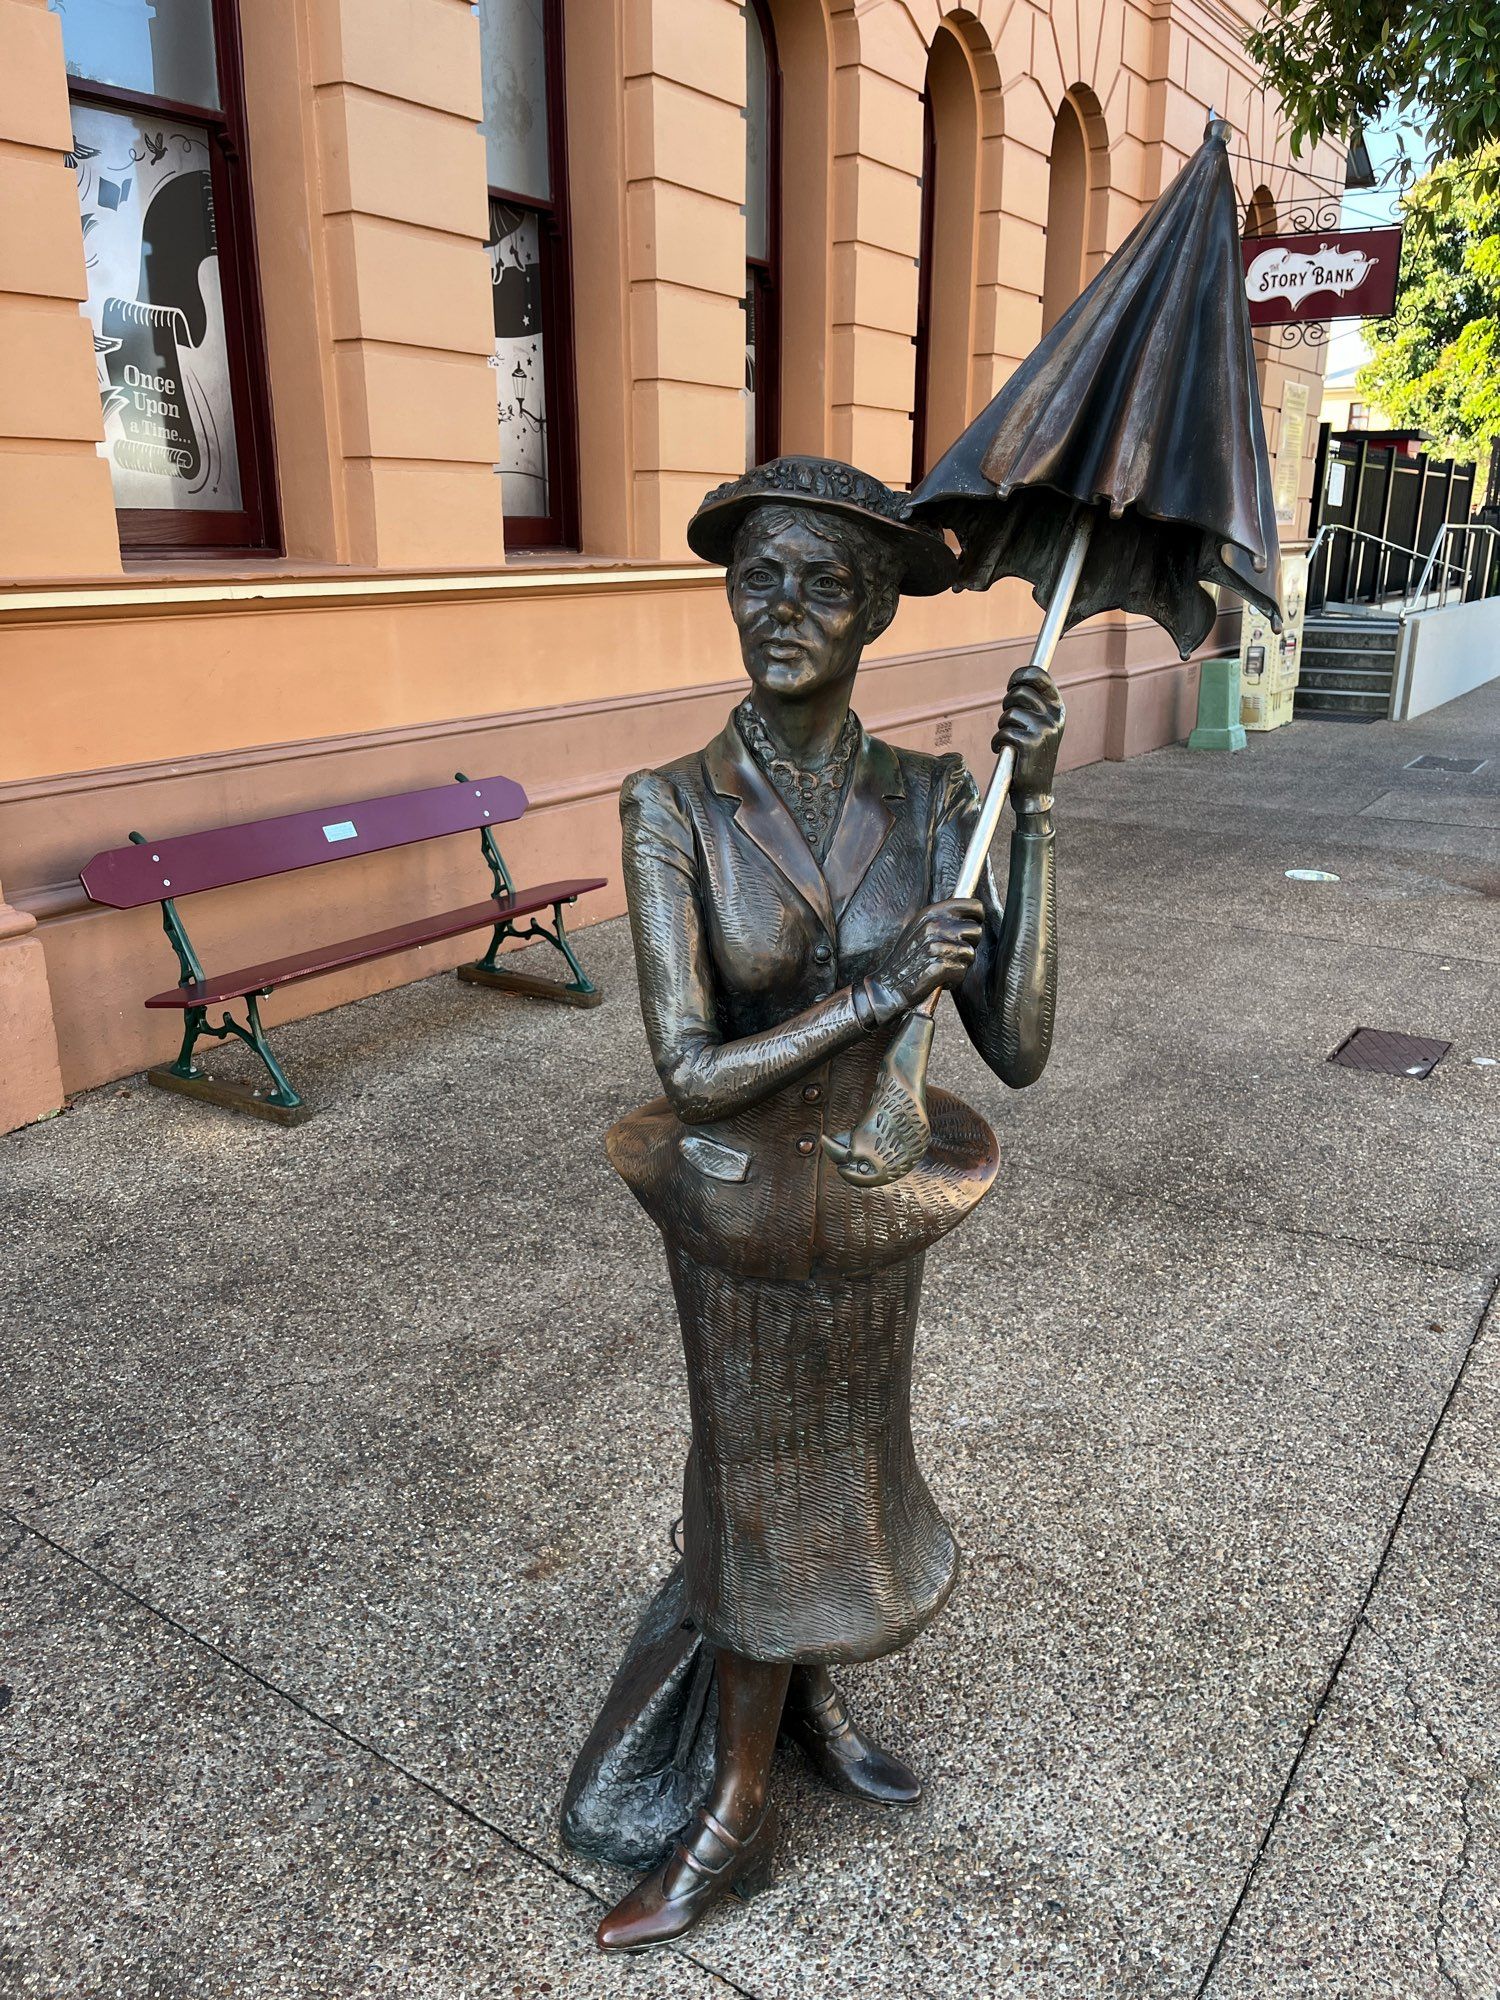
(558, 528)
(922, 339)
(253, 529)
(763, 274)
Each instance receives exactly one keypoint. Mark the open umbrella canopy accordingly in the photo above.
(1142, 405)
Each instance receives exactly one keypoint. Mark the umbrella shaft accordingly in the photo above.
(1041, 656)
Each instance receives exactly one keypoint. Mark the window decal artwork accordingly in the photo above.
(520, 373)
(154, 300)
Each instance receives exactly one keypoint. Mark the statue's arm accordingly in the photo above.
(704, 1076)
(1008, 1000)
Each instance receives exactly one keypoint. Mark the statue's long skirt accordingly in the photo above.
(809, 1533)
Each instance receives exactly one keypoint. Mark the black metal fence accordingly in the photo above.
(1395, 500)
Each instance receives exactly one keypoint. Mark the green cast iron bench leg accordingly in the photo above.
(487, 971)
(280, 1103)
(580, 991)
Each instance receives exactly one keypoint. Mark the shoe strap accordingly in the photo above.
(735, 1846)
(828, 1717)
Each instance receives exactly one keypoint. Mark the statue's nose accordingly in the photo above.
(786, 611)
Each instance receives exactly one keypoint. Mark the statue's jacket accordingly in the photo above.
(740, 933)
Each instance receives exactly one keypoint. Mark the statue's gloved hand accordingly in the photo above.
(936, 949)
(1031, 724)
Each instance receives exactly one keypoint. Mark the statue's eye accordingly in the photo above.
(757, 577)
(828, 583)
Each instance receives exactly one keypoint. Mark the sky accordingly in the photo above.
(1367, 208)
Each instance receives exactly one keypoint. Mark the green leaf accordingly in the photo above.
(1435, 363)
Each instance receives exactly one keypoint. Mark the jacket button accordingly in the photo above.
(807, 1145)
(822, 953)
(811, 1093)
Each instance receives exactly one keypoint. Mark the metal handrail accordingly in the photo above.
(1465, 568)
(1390, 549)
(1360, 535)
(1360, 539)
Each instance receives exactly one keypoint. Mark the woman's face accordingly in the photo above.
(800, 609)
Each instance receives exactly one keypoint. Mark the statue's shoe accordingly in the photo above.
(706, 1865)
(827, 1737)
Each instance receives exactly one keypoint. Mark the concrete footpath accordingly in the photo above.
(336, 1462)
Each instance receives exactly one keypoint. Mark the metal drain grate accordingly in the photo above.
(1390, 1054)
(1461, 767)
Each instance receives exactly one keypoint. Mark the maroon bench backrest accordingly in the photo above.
(182, 863)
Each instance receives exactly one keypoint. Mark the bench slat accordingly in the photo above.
(124, 878)
(376, 944)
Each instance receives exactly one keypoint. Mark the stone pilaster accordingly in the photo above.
(685, 184)
(30, 1080)
(57, 513)
(881, 63)
(401, 184)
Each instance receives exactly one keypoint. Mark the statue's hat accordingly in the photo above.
(927, 563)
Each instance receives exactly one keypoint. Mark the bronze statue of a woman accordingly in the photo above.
(788, 890)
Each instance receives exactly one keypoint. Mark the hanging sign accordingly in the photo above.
(1333, 274)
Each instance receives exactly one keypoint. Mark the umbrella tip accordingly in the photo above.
(1217, 128)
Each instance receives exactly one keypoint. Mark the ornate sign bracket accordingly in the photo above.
(1305, 332)
(1302, 218)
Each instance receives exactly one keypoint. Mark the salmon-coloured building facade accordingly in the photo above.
(363, 361)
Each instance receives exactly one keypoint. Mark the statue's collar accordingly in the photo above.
(863, 827)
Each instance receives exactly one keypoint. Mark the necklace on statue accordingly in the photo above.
(813, 792)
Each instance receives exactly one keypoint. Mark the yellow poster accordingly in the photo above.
(1289, 455)
(1270, 662)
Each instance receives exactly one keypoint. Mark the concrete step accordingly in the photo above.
(1313, 700)
(1350, 638)
(1315, 662)
(1386, 612)
(1352, 673)
(1354, 614)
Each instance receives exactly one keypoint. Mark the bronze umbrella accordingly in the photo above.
(1122, 467)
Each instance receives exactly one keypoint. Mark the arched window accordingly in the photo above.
(521, 51)
(762, 236)
(1260, 216)
(945, 270)
(1067, 215)
(1260, 220)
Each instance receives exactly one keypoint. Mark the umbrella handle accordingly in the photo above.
(895, 1131)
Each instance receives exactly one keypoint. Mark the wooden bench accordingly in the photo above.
(150, 871)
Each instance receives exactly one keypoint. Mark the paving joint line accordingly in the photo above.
(1375, 1246)
(1413, 819)
(1321, 1704)
(346, 1735)
(1275, 931)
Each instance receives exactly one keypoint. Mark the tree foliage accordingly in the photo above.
(1337, 64)
(1435, 364)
